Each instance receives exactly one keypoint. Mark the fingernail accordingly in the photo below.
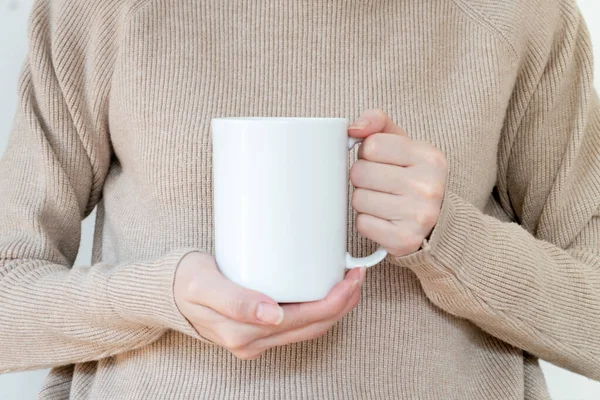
(360, 124)
(269, 313)
(354, 285)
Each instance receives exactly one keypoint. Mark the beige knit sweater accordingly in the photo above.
(115, 102)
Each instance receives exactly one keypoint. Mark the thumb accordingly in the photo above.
(234, 301)
(373, 121)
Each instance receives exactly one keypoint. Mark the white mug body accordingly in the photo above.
(280, 204)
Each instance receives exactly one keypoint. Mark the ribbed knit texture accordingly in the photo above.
(116, 98)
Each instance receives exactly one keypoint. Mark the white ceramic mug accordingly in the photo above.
(280, 205)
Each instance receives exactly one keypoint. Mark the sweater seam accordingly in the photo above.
(118, 54)
(485, 22)
(126, 20)
(518, 125)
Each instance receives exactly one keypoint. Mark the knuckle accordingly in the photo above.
(370, 147)
(436, 158)
(439, 191)
(318, 332)
(321, 332)
(432, 191)
(299, 322)
(233, 341)
(406, 244)
(357, 171)
(426, 218)
(239, 308)
(239, 355)
(412, 243)
(396, 251)
(378, 114)
(246, 355)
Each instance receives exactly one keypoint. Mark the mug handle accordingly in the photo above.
(380, 253)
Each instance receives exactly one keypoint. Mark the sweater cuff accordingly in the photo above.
(143, 293)
(440, 265)
(447, 241)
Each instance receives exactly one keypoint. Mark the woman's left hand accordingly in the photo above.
(400, 184)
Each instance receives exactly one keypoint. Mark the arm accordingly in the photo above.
(536, 284)
(51, 177)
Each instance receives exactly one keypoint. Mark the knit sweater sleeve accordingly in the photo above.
(535, 283)
(51, 177)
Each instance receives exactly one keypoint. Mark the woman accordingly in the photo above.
(481, 177)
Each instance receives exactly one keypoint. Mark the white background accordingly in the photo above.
(13, 47)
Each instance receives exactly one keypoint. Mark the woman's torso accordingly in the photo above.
(440, 74)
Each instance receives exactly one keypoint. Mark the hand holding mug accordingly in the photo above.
(298, 256)
(246, 322)
(399, 183)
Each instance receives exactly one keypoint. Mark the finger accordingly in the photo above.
(236, 335)
(428, 155)
(307, 332)
(425, 155)
(402, 151)
(224, 331)
(303, 314)
(421, 187)
(387, 148)
(419, 214)
(298, 315)
(211, 289)
(421, 211)
(380, 177)
(232, 334)
(398, 238)
(373, 121)
(381, 205)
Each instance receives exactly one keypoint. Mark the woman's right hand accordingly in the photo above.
(246, 322)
